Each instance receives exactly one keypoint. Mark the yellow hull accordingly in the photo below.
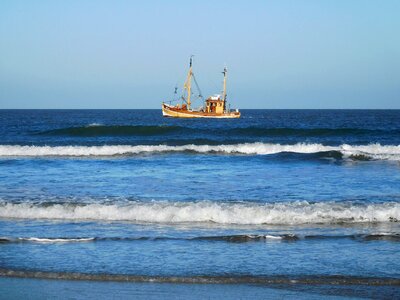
(171, 111)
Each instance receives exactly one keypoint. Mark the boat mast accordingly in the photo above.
(188, 83)
(224, 91)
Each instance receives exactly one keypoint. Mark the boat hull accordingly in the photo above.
(174, 112)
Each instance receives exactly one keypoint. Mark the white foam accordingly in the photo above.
(272, 237)
(206, 211)
(94, 125)
(375, 151)
(56, 240)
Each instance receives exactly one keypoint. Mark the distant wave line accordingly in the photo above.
(238, 238)
(204, 279)
(151, 130)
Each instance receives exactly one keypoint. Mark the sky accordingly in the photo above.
(131, 54)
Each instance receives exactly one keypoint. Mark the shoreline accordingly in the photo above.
(207, 279)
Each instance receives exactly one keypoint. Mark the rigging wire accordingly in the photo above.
(198, 88)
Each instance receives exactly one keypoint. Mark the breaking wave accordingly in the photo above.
(358, 152)
(299, 212)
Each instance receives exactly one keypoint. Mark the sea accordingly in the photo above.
(301, 204)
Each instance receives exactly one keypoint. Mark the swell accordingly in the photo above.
(238, 238)
(288, 213)
(204, 279)
(356, 152)
(114, 130)
(309, 132)
(150, 130)
(392, 237)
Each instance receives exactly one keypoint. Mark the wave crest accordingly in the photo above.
(361, 152)
(291, 213)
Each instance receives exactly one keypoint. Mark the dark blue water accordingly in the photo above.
(307, 195)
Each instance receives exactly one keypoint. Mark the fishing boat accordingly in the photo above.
(215, 106)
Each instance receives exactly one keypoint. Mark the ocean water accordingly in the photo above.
(299, 200)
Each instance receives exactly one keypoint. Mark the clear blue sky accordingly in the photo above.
(131, 54)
